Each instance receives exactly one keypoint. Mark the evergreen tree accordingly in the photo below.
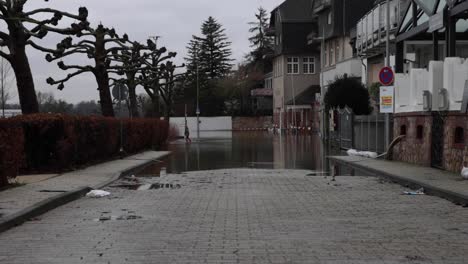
(261, 43)
(209, 55)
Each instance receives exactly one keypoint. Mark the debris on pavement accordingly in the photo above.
(365, 154)
(418, 192)
(97, 194)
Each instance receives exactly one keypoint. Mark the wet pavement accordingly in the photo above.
(275, 206)
(246, 216)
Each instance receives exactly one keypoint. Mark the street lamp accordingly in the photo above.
(198, 92)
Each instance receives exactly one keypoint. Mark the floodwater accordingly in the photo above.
(227, 150)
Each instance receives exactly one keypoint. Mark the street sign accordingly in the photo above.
(120, 92)
(387, 99)
(386, 76)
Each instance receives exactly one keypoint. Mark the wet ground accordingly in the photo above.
(225, 150)
(274, 206)
(246, 216)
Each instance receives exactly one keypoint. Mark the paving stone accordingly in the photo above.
(257, 217)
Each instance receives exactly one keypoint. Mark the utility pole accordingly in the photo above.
(198, 92)
(387, 63)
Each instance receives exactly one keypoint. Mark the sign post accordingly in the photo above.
(387, 77)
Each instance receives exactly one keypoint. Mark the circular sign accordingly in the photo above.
(120, 92)
(386, 76)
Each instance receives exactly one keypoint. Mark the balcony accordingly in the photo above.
(371, 30)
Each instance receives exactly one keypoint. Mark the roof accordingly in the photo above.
(306, 97)
(264, 92)
(295, 11)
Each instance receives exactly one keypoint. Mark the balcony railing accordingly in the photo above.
(371, 29)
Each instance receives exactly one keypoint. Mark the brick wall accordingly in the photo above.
(413, 149)
(242, 123)
(455, 154)
(418, 151)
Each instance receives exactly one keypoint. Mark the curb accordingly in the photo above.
(54, 202)
(41, 208)
(431, 190)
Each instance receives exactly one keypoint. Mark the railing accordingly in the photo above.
(372, 27)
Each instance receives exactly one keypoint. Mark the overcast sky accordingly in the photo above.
(174, 20)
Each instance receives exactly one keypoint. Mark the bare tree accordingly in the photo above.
(153, 76)
(22, 27)
(131, 60)
(100, 45)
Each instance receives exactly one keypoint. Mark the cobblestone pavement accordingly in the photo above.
(247, 216)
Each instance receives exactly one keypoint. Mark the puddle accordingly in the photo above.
(147, 187)
(118, 218)
(318, 174)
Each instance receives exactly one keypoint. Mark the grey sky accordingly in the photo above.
(175, 20)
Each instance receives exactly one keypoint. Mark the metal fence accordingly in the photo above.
(360, 132)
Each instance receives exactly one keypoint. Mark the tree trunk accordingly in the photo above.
(155, 106)
(132, 96)
(24, 81)
(107, 108)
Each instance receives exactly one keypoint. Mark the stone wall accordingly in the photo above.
(246, 123)
(412, 149)
(418, 151)
(455, 154)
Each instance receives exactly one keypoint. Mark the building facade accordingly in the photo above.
(296, 65)
(431, 86)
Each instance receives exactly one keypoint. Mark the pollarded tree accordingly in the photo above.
(152, 75)
(167, 88)
(131, 60)
(100, 45)
(22, 27)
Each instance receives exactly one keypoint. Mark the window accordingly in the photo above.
(293, 65)
(308, 65)
(459, 135)
(403, 130)
(329, 18)
(420, 132)
(332, 53)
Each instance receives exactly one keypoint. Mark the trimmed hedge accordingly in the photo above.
(55, 142)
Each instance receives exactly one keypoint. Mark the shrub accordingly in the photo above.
(11, 150)
(348, 92)
(56, 142)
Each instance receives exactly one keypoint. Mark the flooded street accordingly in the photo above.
(228, 150)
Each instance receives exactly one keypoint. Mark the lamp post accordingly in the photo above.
(198, 93)
(387, 63)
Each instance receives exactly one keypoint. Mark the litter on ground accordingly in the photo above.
(418, 192)
(97, 194)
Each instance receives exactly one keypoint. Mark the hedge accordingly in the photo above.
(42, 143)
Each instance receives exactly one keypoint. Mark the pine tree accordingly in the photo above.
(259, 40)
(209, 54)
(215, 51)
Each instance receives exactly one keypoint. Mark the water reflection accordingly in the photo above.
(243, 150)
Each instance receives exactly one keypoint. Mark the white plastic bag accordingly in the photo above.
(97, 194)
